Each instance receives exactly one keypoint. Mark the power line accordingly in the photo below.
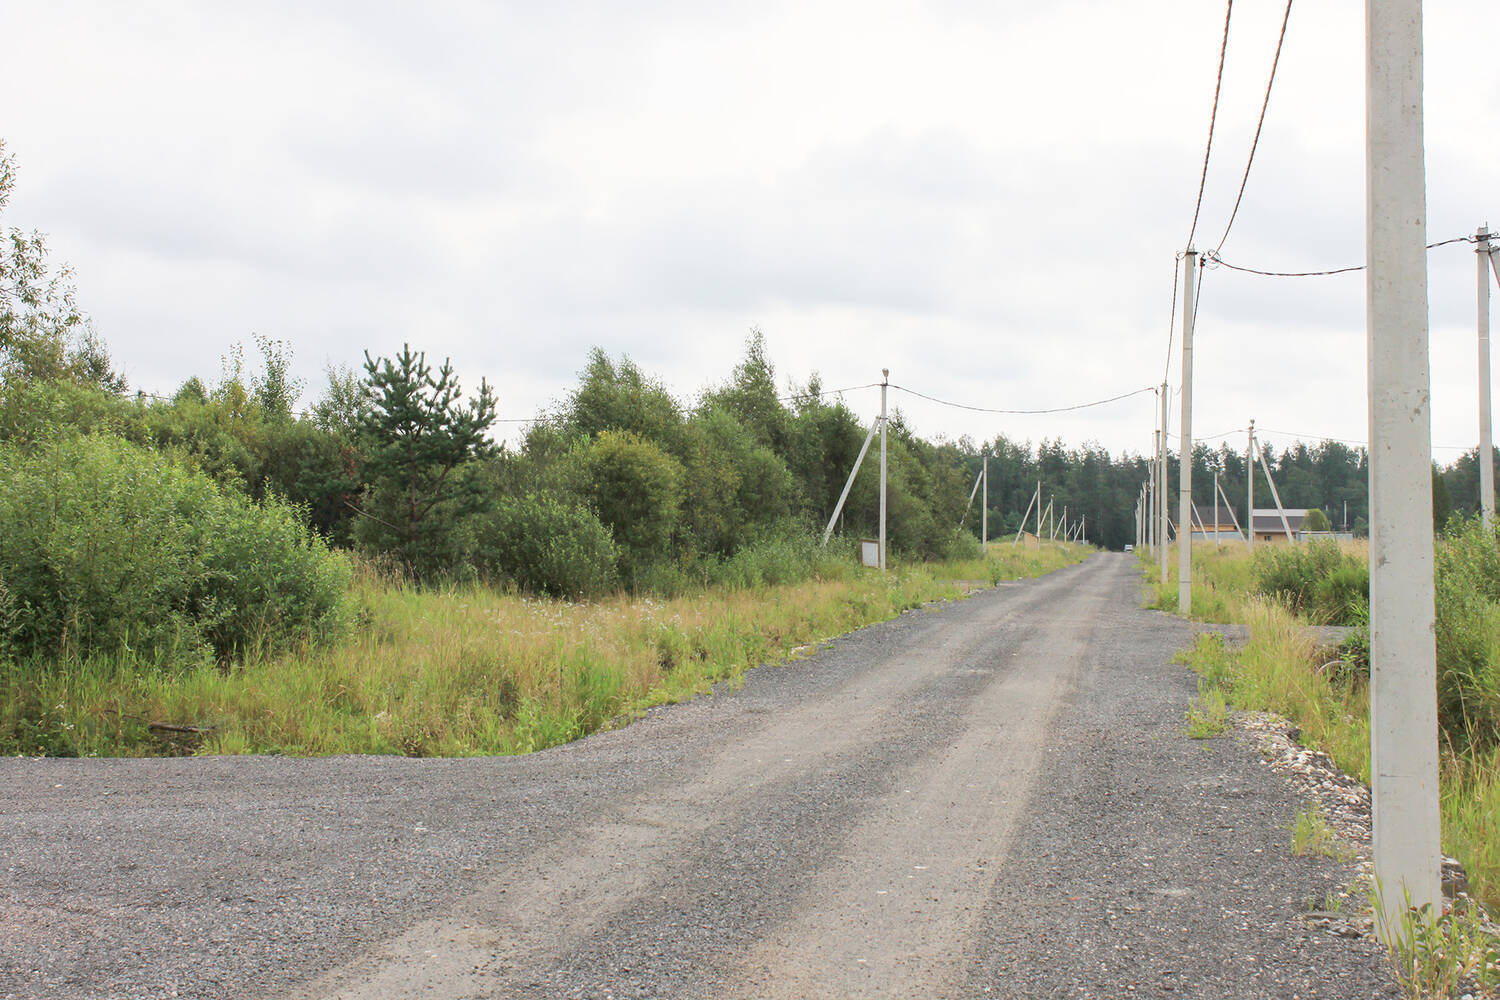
(794, 397)
(1198, 297)
(1220, 262)
(1258, 125)
(1212, 258)
(1300, 435)
(1212, 117)
(1055, 409)
(1172, 322)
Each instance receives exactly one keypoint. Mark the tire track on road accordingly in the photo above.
(554, 916)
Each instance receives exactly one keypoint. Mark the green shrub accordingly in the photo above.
(1354, 652)
(1344, 594)
(786, 553)
(10, 620)
(667, 577)
(635, 488)
(110, 548)
(1467, 625)
(961, 544)
(267, 579)
(547, 546)
(1293, 575)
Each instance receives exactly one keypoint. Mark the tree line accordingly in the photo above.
(621, 484)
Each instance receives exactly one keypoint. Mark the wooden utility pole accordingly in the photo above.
(1185, 450)
(1486, 444)
(1403, 679)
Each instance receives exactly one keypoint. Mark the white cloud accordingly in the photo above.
(984, 198)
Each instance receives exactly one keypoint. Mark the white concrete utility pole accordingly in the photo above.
(1403, 669)
(1185, 455)
(1140, 517)
(984, 513)
(1486, 444)
(1250, 489)
(1161, 493)
(1151, 496)
(885, 380)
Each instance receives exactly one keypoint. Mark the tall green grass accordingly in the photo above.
(1283, 670)
(467, 670)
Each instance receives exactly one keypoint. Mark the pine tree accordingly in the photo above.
(417, 437)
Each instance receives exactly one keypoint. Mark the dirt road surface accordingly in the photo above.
(992, 798)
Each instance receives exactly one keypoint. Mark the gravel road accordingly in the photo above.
(992, 798)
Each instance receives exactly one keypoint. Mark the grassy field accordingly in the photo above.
(469, 670)
(1325, 692)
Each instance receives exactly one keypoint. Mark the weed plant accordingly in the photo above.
(1455, 953)
(1312, 835)
(1208, 715)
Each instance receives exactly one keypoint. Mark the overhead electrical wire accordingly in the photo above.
(1172, 321)
(1212, 118)
(1258, 126)
(1212, 258)
(1167, 368)
(794, 397)
(1319, 438)
(1208, 148)
(1054, 409)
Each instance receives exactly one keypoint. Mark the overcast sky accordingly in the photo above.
(984, 197)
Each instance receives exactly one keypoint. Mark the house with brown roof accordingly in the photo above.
(1267, 525)
(1211, 524)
